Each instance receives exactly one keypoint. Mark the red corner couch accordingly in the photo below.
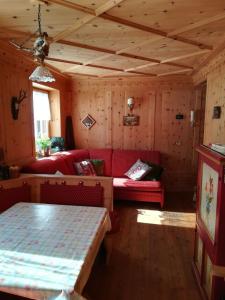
(116, 163)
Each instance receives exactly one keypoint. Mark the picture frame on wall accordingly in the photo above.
(88, 121)
(208, 199)
(131, 120)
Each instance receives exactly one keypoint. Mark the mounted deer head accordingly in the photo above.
(15, 102)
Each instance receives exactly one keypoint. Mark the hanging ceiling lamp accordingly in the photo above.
(40, 51)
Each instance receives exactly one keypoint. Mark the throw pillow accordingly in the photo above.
(155, 172)
(85, 168)
(98, 165)
(138, 170)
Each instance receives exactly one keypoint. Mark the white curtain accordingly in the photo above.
(41, 106)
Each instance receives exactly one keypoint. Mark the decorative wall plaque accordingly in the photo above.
(88, 121)
(131, 120)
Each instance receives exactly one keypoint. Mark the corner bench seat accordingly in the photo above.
(116, 163)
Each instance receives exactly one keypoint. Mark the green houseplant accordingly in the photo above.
(44, 146)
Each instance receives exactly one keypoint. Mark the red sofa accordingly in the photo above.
(116, 163)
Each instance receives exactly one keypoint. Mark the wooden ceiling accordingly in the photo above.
(106, 38)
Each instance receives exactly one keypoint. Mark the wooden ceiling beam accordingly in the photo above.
(198, 24)
(139, 57)
(81, 74)
(73, 5)
(104, 68)
(63, 61)
(185, 56)
(107, 6)
(174, 72)
(142, 66)
(84, 46)
(177, 65)
(141, 73)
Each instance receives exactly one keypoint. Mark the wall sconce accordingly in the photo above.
(192, 118)
(130, 104)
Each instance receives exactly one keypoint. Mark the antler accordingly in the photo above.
(22, 95)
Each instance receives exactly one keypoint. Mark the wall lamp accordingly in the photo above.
(130, 103)
(192, 118)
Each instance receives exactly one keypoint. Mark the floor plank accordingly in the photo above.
(151, 256)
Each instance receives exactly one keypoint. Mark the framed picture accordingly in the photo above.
(88, 121)
(208, 199)
(131, 120)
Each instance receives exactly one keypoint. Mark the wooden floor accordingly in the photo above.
(152, 253)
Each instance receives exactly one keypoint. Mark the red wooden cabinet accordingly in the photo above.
(209, 252)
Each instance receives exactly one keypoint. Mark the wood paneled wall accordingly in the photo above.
(157, 101)
(214, 73)
(16, 136)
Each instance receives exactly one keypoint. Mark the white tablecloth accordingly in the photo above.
(43, 248)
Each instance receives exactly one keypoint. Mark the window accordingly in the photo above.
(42, 115)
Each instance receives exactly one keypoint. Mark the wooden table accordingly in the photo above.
(48, 250)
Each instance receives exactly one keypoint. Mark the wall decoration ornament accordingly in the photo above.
(208, 205)
(15, 103)
(88, 121)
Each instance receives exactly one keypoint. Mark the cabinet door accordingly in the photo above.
(207, 275)
(198, 253)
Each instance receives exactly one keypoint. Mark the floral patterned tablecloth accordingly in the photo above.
(43, 247)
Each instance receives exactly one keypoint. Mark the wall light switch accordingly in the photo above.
(216, 112)
(179, 117)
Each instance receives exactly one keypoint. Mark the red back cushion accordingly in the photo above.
(62, 166)
(106, 155)
(122, 160)
(11, 196)
(41, 166)
(71, 194)
(78, 154)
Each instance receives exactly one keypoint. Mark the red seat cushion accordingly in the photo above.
(122, 160)
(106, 155)
(11, 196)
(136, 185)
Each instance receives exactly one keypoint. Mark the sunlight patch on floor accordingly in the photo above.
(168, 218)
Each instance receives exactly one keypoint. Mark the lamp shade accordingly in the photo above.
(42, 74)
(130, 101)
